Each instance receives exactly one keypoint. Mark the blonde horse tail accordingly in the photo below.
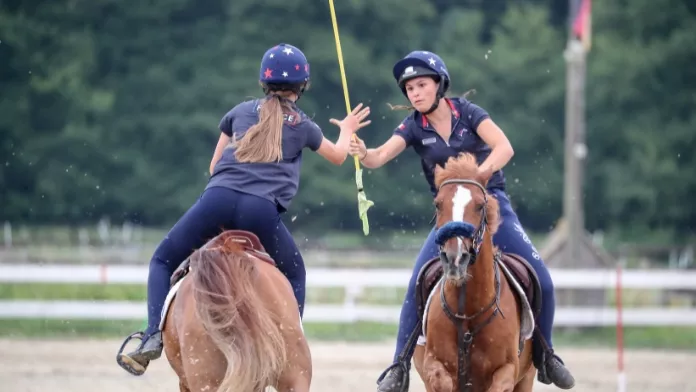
(237, 320)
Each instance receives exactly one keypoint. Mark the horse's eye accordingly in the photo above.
(480, 206)
(438, 205)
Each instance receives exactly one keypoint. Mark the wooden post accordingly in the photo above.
(575, 147)
(7, 234)
(569, 245)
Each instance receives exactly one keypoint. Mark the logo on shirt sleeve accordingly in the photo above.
(462, 131)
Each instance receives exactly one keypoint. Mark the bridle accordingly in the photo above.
(465, 229)
(465, 336)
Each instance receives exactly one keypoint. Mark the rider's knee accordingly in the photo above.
(168, 254)
(545, 281)
(547, 287)
(411, 289)
(159, 263)
(301, 273)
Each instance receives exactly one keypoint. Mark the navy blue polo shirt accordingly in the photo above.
(433, 149)
(275, 181)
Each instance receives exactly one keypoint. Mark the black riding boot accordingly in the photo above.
(395, 378)
(555, 372)
(137, 361)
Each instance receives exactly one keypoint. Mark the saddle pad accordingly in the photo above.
(170, 298)
(526, 316)
(422, 338)
(168, 301)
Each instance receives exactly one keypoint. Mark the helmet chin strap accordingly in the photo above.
(300, 91)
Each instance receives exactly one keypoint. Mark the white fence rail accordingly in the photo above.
(349, 277)
(118, 310)
(353, 281)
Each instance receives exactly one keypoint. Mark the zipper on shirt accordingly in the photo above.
(454, 128)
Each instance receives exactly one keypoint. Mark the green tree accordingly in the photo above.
(641, 86)
(111, 109)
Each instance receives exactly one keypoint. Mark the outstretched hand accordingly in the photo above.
(354, 121)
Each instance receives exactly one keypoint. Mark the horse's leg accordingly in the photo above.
(503, 379)
(172, 345)
(194, 357)
(418, 356)
(172, 348)
(297, 375)
(527, 382)
(436, 379)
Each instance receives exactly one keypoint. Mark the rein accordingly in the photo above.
(465, 336)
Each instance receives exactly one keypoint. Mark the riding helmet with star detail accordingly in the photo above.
(284, 64)
(421, 63)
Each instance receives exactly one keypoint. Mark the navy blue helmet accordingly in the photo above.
(421, 63)
(284, 64)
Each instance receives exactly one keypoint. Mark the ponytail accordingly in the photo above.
(262, 143)
(407, 107)
(400, 107)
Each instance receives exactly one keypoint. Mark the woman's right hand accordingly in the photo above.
(354, 121)
(357, 147)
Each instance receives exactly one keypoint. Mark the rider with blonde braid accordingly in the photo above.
(255, 174)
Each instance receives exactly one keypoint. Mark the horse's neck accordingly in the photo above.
(480, 288)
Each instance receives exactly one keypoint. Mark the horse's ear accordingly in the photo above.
(485, 175)
(438, 169)
(437, 173)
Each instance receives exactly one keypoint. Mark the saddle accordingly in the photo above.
(249, 242)
(522, 272)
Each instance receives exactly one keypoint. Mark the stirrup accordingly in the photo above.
(405, 379)
(540, 353)
(403, 361)
(140, 335)
(542, 372)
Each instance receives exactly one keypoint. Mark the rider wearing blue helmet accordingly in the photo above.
(440, 128)
(255, 173)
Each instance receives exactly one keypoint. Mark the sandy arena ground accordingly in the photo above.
(62, 366)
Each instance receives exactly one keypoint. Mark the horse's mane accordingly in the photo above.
(464, 167)
(234, 315)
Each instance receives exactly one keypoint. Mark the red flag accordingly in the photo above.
(582, 25)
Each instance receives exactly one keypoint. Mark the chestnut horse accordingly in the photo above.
(234, 323)
(478, 318)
